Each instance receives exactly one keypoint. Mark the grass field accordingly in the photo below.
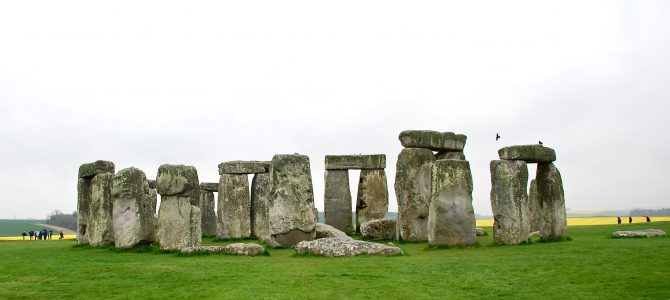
(15, 227)
(590, 266)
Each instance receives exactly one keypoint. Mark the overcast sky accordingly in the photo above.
(196, 82)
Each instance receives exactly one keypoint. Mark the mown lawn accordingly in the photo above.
(590, 266)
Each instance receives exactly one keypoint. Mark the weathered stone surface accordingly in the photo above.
(234, 207)
(291, 211)
(528, 153)
(179, 180)
(433, 140)
(380, 229)
(344, 247)
(346, 162)
(639, 233)
(481, 232)
(209, 186)
(451, 217)
(179, 222)
(534, 211)
(552, 200)
(325, 230)
(100, 229)
(337, 200)
(152, 183)
(98, 167)
(373, 197)
(261, 187)
(534, 234)
(248, 249)
(83, 209)
(244, 167)
(509, 201)
(450, 155)
(133, 213)
(412, 188)
(208, 216)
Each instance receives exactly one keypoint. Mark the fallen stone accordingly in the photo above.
(344, 247)
(451, 218)
(209, 186)
(208, 215)
(261, 187)
(152, 183)
(433, 140)
(534, 207)
(550, 195)
(381, 229)
(133, 212)
(98, 167)
(346, 162)
(100, 229)
(234, 207)
(639, 233)
(412, 188)
(244, 167)
(179, 222)
(325, 230)
(373, 197)
(528, 153)
(291, 213)
(246, 249)
(509, 201)
(337, 200)
(481, 232)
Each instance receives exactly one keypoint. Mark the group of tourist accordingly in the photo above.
(43, 234)
(630, 219)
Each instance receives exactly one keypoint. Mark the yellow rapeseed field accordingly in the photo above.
(592, 221)
(54, 238)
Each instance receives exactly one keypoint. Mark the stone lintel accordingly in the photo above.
(356, 161)
(244, 167)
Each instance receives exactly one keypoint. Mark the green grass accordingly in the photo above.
(15, 227)
(589, 266)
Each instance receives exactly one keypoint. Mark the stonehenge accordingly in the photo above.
(372, 195)
(178, 220)
(238, 216)
(206, 205)
(94, 204)
(133, 211)
(414, 170)
(518, 212)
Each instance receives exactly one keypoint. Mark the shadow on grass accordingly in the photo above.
(442, 247)
(557, 240)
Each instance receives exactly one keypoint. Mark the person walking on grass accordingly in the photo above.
(51, 232)
(31, 233)
(630, 219)
(618, 220)
(24, 235)
(648, 219)
(61, 235)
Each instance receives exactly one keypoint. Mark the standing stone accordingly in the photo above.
(534, 212)
(553, 225)
(100, 229)
(133, 212)
(208, 216)
(234, 210)
(83, 209)
(373, 197)
(509, 201)
(291, 201)
(451, 218)
(178, 220)
(260, 197)
(412, 189)
(337, 200)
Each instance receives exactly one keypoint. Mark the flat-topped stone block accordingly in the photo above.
(528, 153)
(209, 186)
(433, 140)
(97, 167)
(244, 167)
(346, 162)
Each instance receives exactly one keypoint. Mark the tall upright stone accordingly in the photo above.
(84, 198)
(373, 197)
(261, 187)
(337, 200)
(208, 215)
(291, 212)
(133, 211)
(534, 212)
(412, 187)
(553, 225)
(451, 217)
(234, 207)
(509, 201)
(100, 227)
(178, 221)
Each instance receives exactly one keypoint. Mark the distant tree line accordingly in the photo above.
(650, 212)
(58, 218)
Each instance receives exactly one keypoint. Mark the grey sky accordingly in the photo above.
(147, 83)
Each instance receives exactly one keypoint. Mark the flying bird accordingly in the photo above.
(497, 136)
(540, 142)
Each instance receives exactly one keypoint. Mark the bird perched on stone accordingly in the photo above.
(497, 136)
(540, 142)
